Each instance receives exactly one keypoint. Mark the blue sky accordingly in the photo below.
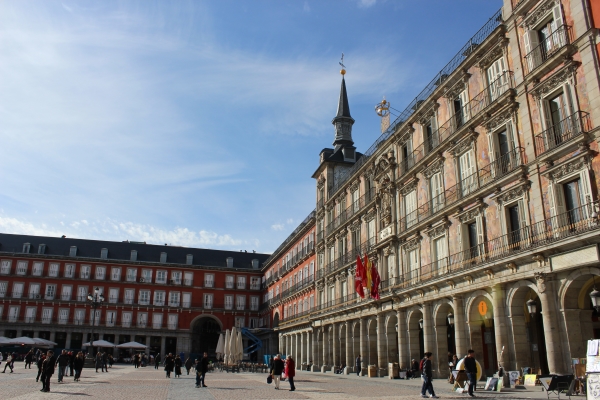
(198, 123)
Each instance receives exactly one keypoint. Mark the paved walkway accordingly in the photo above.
(126, 382)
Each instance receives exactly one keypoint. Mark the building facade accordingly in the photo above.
(173, 299)
(479, 205)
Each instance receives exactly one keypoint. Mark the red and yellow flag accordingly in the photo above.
(376, 280)
(359, 277)
(369, 281)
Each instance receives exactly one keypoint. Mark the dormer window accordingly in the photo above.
(42, 249)
(133, 256)
(189, 259)
(73, 251)
(104, 254)
(255, 264)
(26, 247)
(163, 257)
(229, 262)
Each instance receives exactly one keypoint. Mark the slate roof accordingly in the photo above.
(343, 106)
(121, 251)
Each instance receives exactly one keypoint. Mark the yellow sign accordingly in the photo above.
(482, 308)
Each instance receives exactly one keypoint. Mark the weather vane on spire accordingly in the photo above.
(343, 71)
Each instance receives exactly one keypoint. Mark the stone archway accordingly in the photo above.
(481, 330)
(372, 356)
(391, 333)
(355, 337)
(205, 334)
(444, 336)
(276, 319)
(342, 345)
(416, 345)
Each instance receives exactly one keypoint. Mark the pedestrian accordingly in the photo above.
(136, 360)
(177, 366)
(104, 362)
(471, 369)
(1, 358)
(427, 376)
(47, 371)
(157, 361)
(78, 365)
(169, 364)
(201, 370)
(62, 361)
(276, 370)
(8, 364)
(357, 365)
(72, 356)
(98, 360)
(39, 363)
(110, 360)
(28, 359)
(414, 369)
(144, 360)
(290, 371)
(452, 365)
(188, 364)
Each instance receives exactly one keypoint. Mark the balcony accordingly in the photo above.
(17, 295)
(188, 282)
(29, 320)
(298, 286)
(174, 304)
(32, 296)
(65, 297)
(186, 304)
(46, 320)
(482, 178)
(563, 132)
(547, 48)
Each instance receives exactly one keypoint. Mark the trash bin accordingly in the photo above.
(372, 371)
(393, 370)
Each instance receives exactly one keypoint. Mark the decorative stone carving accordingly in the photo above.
(321, 181)
(420, 292)
(405, 136)
(451, 283)
(354, 226)
(386, 197)
(512, 193)
(471, 214)
(568, 168)
(354, 186)
(558, 78)
(435, 289)
(540, 280)
(434, 167)
(500, 119)
(493, 54)
(539, 13)
(539, 259)
(489, 273)
(438, 230)
(412, 244)
(466, 144)
(409, 187)
(469, 279)
(512, 267)
(388, 250)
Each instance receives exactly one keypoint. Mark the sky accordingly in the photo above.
(198, 123)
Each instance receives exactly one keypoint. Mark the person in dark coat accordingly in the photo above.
(414, 369)
(169, 364)
(39, 362)
(104, 362)
(47, 371)
(357, 365)
(471, 370)
(62, 361)
(157, 361)
(72, 362)
(188, 364)
(427, 376)
(201, 370)
(290, 372)
(276, 370)
(78, 365)
(28, 359)
(177, 366)
(98, 360)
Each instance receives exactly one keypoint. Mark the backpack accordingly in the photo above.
(421, 364)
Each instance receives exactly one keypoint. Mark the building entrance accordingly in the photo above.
(205, 335)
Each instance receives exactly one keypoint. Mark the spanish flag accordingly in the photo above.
(376, 281)
(369, 280)
(359, 277)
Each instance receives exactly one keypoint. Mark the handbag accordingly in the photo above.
(283, 376)
(269, 379)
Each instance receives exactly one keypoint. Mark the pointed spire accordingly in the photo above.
(343, 107)
(343, 121)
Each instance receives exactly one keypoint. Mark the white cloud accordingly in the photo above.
(277, 227)
(306, 7)
(366, 3)
(290, 221)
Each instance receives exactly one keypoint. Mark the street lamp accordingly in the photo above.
(595, 296)
(531, 307)
(451, 319)
(421, 323)
(96, 298)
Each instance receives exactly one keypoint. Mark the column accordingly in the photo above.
(500, 328)
(460, 337)
(363, 346)
(325, 347)
(163, 342)
(381, 345)
(403, 355)
(297, 358)
(551, 329)
(315, 349)
(349, 355)
(281, 347)
(67, 341)
(147, 348)
(428, 334)
(335, 345)
(302, 352)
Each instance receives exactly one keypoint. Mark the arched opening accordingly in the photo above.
(372, 341)
(483, 338)
(391, 330)
(205, 335)
(444, 333)
(416, 344)
(276, 320)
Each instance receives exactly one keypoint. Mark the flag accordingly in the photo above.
(369, 281)
(359, 277)
(376, 281)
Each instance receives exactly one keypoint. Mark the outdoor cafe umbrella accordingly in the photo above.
(233, 351)
(4, 340)
(129, 345)
(220, 345)
(226, 351)
(239, 347)
(27, 341)
(99, 343)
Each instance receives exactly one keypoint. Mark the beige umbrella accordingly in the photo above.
(233, 345)
(240, 347)
(220, 345)
(226, 350)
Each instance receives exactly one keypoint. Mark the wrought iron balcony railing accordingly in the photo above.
(547, 48)
(563, 132)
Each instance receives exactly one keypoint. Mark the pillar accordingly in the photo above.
(67, 341)
(349, 355)
(335, 344)
(403, 355)
(297, 358)
(325, 346)
(302, 352)
(363, 345)
(500, 328)
(381, 345)
(148, 348)
(315, 349)
(428, 334)
(551, 330)
(460, 337)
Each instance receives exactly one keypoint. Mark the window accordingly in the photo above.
(208, 300)
(22, 268)
(47, 315)
(126, 319)
(229, 262)
(545, 39)
(461, 108)
(229, 302)
(82, 292)
(159, 298)
(111, 318)
(113, 295)
(312, 301)
(413, 264)
(30, 313)
(63, 316)
(157, 320)
(176, 277)
(146, 276)
(69, 270)
(144, 297)
(42, 249)
(172, 324)
(34, 291)
(186, 300)
(189, 259)
(440, 253)
(430, 135)
(13, 313)
(161, 276)
(241, 302)
(253, 322)
(66, 292)
(5, 267)
(436, 184)
(142, 320)
(95, 317)
(188, 278)
(163, 257)
(497, 77)
(84, 271)
(50, 292)
(104, 254)
(38, 268)
(133, 255)
(53, 270)
(3, 288)
(473, 239)
(239, 322)
(79, 317)
(254, 303)
(100, 272)
(229, 281)
(209, 280)
(174, 299)
(468, 177)
(129, 295)
(254, 283)
(73, 251)
(241, 282)
(18, 290)
(26, 247)
(115, 273)
(131, 274)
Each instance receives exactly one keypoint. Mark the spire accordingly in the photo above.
(343, 121)
(343, 107)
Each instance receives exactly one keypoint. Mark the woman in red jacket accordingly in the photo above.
(290, 371)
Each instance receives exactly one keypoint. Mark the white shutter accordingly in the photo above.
(466, 107)
(586, 194)
(411, 206)
(437, 189)
(532, 42)
(557, 19)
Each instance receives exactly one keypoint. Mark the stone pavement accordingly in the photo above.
(126, 382)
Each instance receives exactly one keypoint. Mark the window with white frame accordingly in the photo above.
(254, 303)
(498, 78)
(253, 322)
(241, 282)
(129, 296)
(240, 302)
(30, 313)
(142, 319)
(468, 172)
(63, 316)
(570, 196)
(254, 283)
(5, 267)
(277, 291)
(471, 235)
(3, 289)
(53, 270)
(436, 186)
(22, 267)
(209, 280)
(111, 318)
(17, 291)
(84, 271)
(559, 117)
(82, 292)
(79, 317)
(131, 275)
(229, 302)
(186, 301)
(413, 262)
(113, 295)
(69, 271)
(157, 319)
(34, 291)
(47, 315)
(65, 295)
(545, 37)
(161, 276)
(176, 277)
(100, 272)
(144, 297)
(188, 278)
(95, 317)
(311, 302)
(208, 300)
(229, 281)
(126, 319)
(172, 324)
(115, 273)
(146, 276)
(37, 269)
(13, 313)
(503, 145)
(159, 298)
(439, 250)
(430, 134)
(174, 299)
(239, 322)
(50, 291)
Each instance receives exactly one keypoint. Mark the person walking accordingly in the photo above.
(357, 365)
(9, 361)
(47, 371)
(277, 367)
(471, 370)
(290, 371)
(98, 361)
(169, 364)
(104, 362)
(201, 370)
(28, 359)
(62, 361)
(39, 363)
(452, 365)
(78, 365)
(177, 366)
(188, 364)
(72, 356)
(157, 361)
(427, 376)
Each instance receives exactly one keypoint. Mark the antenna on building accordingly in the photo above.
(383, 110)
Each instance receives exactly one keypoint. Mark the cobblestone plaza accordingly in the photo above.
(126, 382)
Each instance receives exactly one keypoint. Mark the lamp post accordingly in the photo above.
(96, 298)
(451, 319)
(531, 307)
(595, 297)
